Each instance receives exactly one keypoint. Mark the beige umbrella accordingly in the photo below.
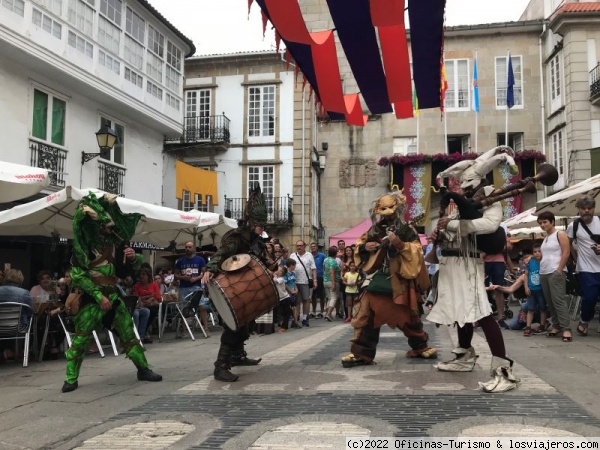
(563, 203)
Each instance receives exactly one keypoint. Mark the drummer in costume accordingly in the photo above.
(244, 239)
(99, 256)
(391, 252)
(461, 295)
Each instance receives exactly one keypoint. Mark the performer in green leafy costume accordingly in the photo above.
(100, 259)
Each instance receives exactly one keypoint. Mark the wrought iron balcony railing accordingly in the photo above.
(595, 82)
(211, 129)
(111, 178)
(51, 158)
(279, 209)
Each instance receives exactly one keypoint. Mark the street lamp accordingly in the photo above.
(106, 138)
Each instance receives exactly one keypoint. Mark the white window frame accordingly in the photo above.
(465, 144)
(109, 35)
(133, 53)
(16, 6)
(555, 78)
(135, 25)
(405, 145)
(557, 140)
(172, 79)
(154, 67)
(173, 102)
(106, 60)
(186, 201)
(49, 119)
(121, 130)
(501, 76)
(134, 78)
(46, 23)
(260, 126)
(156, 41)
(174, 56)
(154, 90)
(265, 176)
(53, 6)
(81, 16)
(519, 142)
(112, 10)
(458, 95)
(80, 44)
(198, 104)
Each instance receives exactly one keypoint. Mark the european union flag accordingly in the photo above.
(510, 93)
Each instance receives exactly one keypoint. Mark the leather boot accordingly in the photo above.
(70, 387)
(145, 374)
(223, 364)
(240, 358)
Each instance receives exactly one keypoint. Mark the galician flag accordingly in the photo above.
(475, 89)
(510, 93)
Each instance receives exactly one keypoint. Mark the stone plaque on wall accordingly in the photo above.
(358, 172)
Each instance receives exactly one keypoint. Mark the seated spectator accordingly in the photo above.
(11, 291)
(45, 290)
(158, 279)
(150, 296)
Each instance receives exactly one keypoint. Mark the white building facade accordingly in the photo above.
(69, 67)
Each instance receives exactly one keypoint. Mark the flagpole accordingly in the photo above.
(476, 106)
(445, 131)
(506, 116)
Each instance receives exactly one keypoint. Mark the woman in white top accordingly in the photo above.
(553, 276)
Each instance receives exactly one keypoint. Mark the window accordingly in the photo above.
(405, 145)
(173, 79)
(173, 102)
(156, 41)
(457, 95)
(16, 6)
(49, 114)
(81, 16)
(80, 44)
(54, 6)
(117, 155)
(135, 26)
(459, 144)
(185, 201)
(134, 53)
(154, 67)
(206, 206)
(558, 157)
(173, 56)
(154, 90)
(502, 81)
(46, 23)
(112, 10)
(109, 62)
(555, 83)
(265, 176)
(197, 114)
(134, 78)
(109, 36)
(261, 111)
(515, 140)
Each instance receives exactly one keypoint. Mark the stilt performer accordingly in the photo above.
(391, 252)
(100, 259)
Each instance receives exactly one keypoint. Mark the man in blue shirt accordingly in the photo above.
(320, 290)
(188, 270)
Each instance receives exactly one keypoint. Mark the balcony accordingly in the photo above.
(51, 158)
(279, 210)
(595, 85)
(111, 178)
(202, 131)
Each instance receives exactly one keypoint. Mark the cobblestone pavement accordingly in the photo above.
(300, 397)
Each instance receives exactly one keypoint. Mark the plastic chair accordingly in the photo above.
(12, 328)
(69, 331)
(190, 310)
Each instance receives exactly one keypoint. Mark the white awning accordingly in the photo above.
(18, 181)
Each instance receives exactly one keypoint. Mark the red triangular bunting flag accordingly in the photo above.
(249, 5)
(303, 81)
(277, 42)
(296, 72)
(287, 59)
(310, 92)
(265, 19)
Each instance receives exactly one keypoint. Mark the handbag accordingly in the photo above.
(73, 302)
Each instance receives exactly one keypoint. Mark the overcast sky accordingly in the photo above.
(222, 26)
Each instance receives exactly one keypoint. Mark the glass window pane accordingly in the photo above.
(59, 109)
(40, 114)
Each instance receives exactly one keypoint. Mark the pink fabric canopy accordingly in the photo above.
(351, 235)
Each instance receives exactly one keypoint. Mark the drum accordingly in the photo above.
(242, 295)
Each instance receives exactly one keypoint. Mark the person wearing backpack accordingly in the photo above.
(586, 232)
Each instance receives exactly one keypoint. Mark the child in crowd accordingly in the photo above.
(533, 290)
(350, 280)
(290, 283)
(285, 309)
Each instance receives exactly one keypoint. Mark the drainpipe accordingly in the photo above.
(303, 164)
(542, 98)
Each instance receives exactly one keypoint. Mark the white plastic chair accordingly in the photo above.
(12, 328)
(69, 334)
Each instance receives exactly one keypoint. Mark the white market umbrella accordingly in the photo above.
(563, 203)
(526, 219)
(18, 181)
(54, 214)
(518, 234)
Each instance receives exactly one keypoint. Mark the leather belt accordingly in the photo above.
(455, 252)
(105, 281)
